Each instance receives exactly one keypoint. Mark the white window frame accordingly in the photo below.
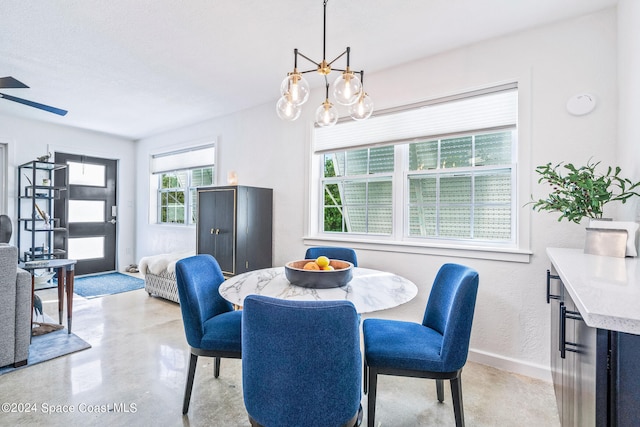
(517, 251)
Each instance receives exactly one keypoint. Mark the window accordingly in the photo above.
(357, 188)
(87, 174)
(460, 187)
(177, 194)
(443, 172)
(178, 174)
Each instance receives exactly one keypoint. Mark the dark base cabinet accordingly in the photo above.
(596, 372)
(626, 393)
(235, 226)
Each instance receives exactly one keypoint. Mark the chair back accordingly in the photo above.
(333, 252)
(198, 279)
(450, 312)
(301, 362)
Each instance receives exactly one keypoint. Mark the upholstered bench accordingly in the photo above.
(160, 276)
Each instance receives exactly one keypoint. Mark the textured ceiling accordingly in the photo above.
(138, 68)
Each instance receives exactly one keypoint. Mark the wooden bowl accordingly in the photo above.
(319, 279)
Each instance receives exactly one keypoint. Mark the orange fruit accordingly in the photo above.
(311, 265)
(322, 261)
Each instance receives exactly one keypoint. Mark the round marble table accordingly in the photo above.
(369, 290)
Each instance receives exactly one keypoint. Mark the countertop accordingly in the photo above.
(606, 290)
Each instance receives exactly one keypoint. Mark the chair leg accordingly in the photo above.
(216, 369)
(193, 361)
(358, 420)
(440, 390)
(456, 394)
(365, 372)
(371, 404)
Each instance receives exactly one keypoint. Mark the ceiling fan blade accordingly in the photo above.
(48, 108)
(11, 83)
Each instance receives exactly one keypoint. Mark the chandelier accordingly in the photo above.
(347, 89)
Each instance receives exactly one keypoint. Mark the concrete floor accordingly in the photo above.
(138, 363)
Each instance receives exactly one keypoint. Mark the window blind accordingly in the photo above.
(490, 108)
(189, 158)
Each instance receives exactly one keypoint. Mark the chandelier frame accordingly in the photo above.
(325, 68)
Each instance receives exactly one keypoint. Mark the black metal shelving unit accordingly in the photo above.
(40, 236)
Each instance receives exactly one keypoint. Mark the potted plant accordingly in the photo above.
(581, 192)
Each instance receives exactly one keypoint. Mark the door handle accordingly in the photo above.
(112, 221)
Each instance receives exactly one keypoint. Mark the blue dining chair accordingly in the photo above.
(301, 363)
(333, 252)
(436, 349)
(212, 327)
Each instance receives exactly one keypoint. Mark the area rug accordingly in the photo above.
(105, 284)
(50, 346)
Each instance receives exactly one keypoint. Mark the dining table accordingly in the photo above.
(369, 290)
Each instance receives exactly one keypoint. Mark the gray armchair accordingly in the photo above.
(15, 309)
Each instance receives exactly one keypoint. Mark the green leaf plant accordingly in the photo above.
(581, 192)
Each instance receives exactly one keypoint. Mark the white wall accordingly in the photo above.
(511, 327)
(29, 139)
(629, 98)
(256, 145)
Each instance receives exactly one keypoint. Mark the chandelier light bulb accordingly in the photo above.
(287, 110)
(296, 87)
(347, 88)
(326, 114)
(362, 109)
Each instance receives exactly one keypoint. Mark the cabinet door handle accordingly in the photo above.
(214, 231)
(564, 344)
(563, 329)
(549, 277)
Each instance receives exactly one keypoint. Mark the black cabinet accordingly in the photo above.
(39, 235)
(596, 372)
(235, 225)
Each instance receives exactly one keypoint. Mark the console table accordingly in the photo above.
(65, 274)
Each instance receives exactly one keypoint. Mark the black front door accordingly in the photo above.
(88, 210)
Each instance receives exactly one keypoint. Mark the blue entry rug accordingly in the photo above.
(49, 346)
(105, 284)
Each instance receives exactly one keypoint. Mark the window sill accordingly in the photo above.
(173, 224)
(449, 250)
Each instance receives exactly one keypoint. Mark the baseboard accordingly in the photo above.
(515, 366)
